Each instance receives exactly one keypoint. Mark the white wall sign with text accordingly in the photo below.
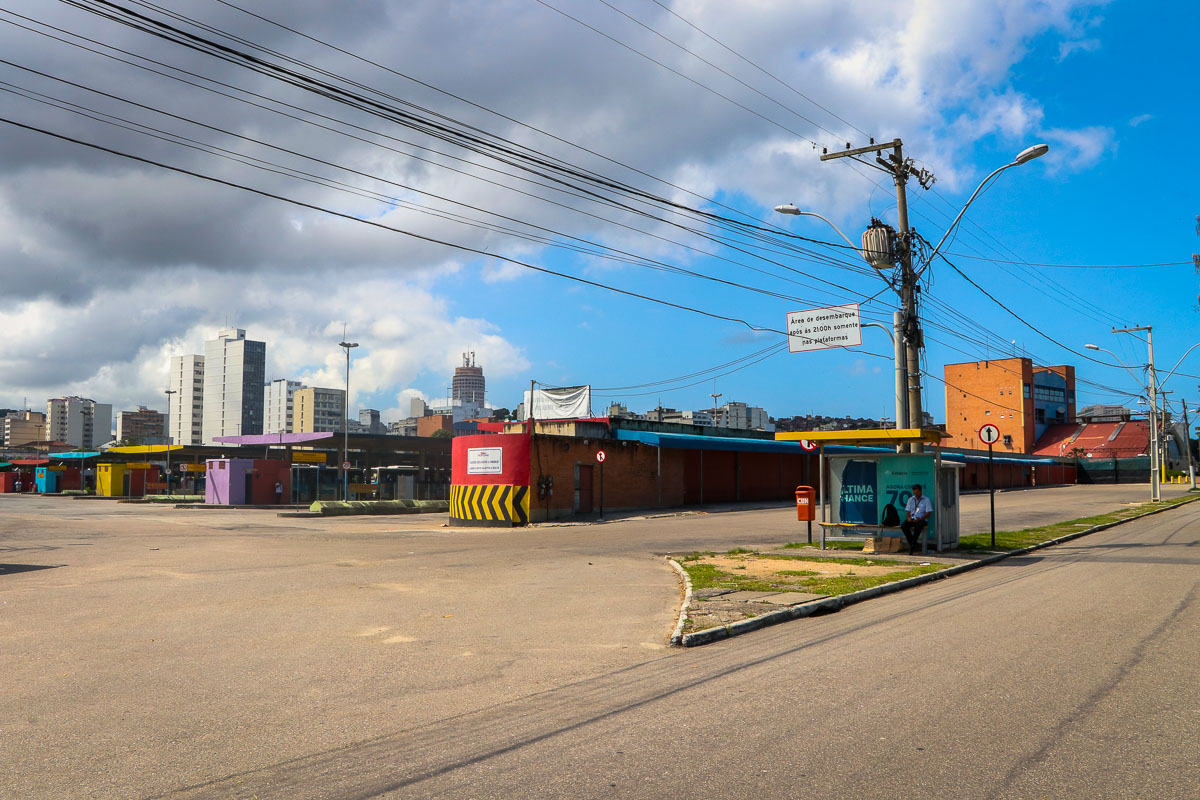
(823, 328)
(485, 460)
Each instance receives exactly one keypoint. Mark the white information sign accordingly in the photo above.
(823, 328)
(485, 460)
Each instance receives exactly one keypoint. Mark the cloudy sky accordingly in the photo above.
(109, 265)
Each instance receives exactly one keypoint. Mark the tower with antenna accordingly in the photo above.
(468, 385)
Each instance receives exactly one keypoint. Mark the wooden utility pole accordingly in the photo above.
(901, 169)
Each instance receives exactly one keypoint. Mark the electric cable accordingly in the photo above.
(393, 229)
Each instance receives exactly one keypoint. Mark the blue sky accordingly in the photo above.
(966, 85)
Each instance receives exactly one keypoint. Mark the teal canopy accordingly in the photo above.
(75, 455)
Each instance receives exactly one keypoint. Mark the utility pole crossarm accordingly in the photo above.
(877, 147)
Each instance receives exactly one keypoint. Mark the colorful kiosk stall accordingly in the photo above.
(869, 486)
(154, 482)
(21, 472)
(67, 476)
(124, 480)
(246, 481)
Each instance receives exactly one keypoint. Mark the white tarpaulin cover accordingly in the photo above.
(567, 402)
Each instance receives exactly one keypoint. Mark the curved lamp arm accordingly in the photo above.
(1177, 363)
(1026, 155)
(792, 210)
(1118, 360)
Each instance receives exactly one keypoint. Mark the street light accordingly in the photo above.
(346, 424)
(1155, 465)
(168, 393)
(907, 340)
(791, 210)
(896, 334)
(1023, 157)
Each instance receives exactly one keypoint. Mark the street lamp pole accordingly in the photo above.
(168, 393)
(901, 170)
(1152, 386)
(345, 424)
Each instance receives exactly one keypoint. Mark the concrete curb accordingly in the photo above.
(677, 635)
(833, 604)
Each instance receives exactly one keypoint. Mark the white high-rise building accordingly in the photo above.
(187, 404)
(278, 396)
(79, 422)
(744, 417)
(234, 373)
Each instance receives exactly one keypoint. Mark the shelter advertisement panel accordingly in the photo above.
(863, 488)
(897, 474)
(857, 496)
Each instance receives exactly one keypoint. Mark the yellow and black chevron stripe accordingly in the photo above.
(489, 505)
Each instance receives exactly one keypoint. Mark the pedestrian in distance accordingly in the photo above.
(916, 512)
(18, 485)
(278, 493)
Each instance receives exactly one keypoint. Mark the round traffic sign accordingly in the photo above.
(808, 445)
(345, 465)
(600, 456)
(989, 434)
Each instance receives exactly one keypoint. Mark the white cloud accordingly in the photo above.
(1140, 119)
(1074, 150)
(116, 348)
(1065, 49)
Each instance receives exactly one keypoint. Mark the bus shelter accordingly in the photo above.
(869, 484)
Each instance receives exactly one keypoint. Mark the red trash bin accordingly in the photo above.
(806, 503)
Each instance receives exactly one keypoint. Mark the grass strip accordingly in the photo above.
(709, 576)
(1015, 540)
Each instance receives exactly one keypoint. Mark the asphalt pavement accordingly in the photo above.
(238, 654)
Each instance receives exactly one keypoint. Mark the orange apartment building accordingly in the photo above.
(1019, 398)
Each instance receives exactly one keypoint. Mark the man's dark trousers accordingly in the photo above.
(912, 531)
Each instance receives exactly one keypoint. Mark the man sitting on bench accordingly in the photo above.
(917, 511)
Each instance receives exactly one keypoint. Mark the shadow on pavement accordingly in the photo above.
(12, 569)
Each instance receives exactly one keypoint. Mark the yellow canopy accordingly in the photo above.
(142, 449)
(883, 436)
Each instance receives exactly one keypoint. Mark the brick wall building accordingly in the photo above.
(564, 477)
(1019, 398)
(426, 426)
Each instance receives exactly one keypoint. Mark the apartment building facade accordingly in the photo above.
(144, 426)
(186, 414)
(318, 410)
(234, 374)
(79, 421)
(278, 402)
(22, 428)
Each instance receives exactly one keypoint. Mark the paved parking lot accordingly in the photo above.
(148, 649)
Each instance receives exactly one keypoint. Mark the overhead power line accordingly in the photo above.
(770, 75)
(393, 229)
(1076, 266)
